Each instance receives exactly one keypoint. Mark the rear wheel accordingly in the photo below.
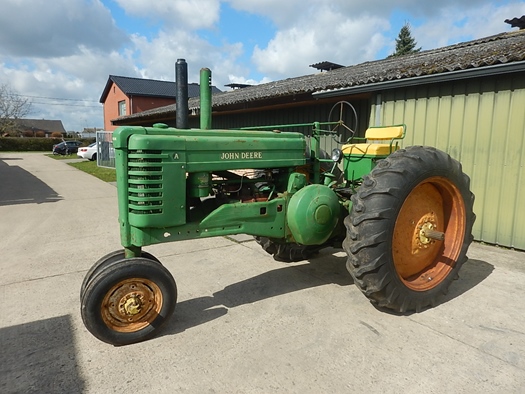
(409, 228)
(129, 301)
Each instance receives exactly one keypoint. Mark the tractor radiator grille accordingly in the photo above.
(145, 187)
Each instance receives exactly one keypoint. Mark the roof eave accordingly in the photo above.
(496, 69)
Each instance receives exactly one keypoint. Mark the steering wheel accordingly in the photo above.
(346, 121)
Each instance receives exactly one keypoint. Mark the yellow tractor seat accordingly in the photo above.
(379, 142)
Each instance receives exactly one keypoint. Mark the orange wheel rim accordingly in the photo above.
(434, 209)
(131, 305)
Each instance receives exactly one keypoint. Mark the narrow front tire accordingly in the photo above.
(129, 302)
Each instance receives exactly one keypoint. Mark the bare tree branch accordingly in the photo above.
(12, 108)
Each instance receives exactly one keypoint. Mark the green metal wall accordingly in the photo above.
(480, 122)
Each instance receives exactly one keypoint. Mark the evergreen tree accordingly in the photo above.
(405, 43)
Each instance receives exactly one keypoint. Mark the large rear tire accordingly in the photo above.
(409, 228)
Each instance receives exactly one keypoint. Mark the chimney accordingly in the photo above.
(517, 22)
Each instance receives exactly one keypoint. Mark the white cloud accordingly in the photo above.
(334, 37)
(287, 13)
(57, 28)
(282, 12)
(192, 14)
(157, 56)
(80, 78)
(480, 22)
(242, 80)
(67, 48)
(352, 31)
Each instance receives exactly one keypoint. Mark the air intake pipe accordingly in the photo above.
(181, 103)
(205, 98)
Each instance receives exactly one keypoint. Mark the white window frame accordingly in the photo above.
(122, 108)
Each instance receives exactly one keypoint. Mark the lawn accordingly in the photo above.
(106, 174)
(62, 157)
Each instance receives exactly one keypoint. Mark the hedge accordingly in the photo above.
(15, 144)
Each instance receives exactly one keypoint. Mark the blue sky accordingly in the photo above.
(60, 57)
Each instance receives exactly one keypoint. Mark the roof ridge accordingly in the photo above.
(140, 79)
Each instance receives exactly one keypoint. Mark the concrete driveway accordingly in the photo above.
(244, 323)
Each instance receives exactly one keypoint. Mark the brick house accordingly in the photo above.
(127, 96)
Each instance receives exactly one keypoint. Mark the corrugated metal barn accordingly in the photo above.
(467, 99)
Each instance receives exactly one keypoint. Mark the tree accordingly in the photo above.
(405, 43)
(12, 108)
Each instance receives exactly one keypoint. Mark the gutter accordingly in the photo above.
(497, 69)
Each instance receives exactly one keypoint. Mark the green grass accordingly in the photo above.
(62, 157)
(106, 174)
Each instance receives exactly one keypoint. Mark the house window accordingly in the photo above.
(121, 108)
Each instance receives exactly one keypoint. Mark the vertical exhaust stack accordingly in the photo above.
(181, 98)
(205, 98)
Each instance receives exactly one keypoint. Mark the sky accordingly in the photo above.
(59, 54)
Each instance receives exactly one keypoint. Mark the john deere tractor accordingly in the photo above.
(403, 216)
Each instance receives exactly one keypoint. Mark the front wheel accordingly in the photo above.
(129, 301)
(105, 262)
(409, 228)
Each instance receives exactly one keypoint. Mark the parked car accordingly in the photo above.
(66, 147)
(88, 152)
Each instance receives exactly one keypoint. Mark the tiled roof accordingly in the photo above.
(41, 124)
(149, 87)
(499, 49)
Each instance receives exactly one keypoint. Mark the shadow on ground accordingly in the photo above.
(39, 357)
(21, 187)
(471, 274)
(324, 269)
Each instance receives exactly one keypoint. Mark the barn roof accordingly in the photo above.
(481, 55)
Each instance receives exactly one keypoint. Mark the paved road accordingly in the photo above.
(244, 323)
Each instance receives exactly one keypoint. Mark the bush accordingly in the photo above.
(33, 144)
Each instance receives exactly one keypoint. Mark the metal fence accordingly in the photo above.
(105, 150)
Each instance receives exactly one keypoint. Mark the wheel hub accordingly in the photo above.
(131, 306)
(423, 232)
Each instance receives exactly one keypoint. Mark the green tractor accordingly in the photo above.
(403, 216)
